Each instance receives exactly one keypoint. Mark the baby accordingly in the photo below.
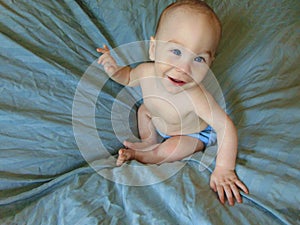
(176, 104)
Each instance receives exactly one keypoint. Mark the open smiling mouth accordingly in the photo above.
(177, 82)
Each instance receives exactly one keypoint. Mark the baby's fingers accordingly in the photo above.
(103, 59)
(103, 50)
(105, 47)
(107, 61)
(213, 186)
(236, 193)
(242, 186)
(229, 196)
(221, 195)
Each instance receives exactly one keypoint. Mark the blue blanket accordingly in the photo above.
(59, 112)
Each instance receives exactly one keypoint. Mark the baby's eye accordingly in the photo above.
(176, 52)
(199, 59)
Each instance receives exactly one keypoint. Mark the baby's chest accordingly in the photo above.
(170, 111)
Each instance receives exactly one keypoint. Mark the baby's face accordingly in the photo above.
(183, 49)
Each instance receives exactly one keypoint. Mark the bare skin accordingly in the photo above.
(150, 151)
(175, 101)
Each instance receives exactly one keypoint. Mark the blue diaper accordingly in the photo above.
(208, 136)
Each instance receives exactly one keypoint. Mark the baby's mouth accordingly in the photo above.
(176, 81)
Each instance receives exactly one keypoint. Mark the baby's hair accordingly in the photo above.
(198, 5)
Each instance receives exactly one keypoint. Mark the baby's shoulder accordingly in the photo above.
(145, 69)
(199, 94)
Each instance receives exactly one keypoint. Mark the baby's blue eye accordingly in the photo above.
(199, 59)
(176, 52)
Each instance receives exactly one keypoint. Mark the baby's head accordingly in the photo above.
(190, 17)
(185, 43)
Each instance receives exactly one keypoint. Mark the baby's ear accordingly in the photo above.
(152, 48)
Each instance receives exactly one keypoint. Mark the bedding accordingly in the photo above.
(62, 120)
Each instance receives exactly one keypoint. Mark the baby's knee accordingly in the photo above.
(142, 110)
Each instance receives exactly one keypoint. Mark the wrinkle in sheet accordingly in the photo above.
(257, 68)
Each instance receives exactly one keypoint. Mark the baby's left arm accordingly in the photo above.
(223, 180)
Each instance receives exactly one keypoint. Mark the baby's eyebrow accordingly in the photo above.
(175, 42)
(206, 52)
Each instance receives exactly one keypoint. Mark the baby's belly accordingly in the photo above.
(188, 126)
(172, 119)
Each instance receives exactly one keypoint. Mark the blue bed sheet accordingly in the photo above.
(47, 48)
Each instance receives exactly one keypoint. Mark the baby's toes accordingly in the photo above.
(122, 157)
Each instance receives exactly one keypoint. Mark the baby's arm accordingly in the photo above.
(223, 180)
(124, 75)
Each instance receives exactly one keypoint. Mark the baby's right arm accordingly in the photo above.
(124, 75)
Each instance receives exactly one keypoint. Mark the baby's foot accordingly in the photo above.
(124, 155)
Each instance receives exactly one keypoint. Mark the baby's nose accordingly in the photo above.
(184, 67)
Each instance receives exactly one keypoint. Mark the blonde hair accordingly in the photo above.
(197, 5)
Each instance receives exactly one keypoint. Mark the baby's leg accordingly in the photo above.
(146, 129)
(147, 132)
(173, 149)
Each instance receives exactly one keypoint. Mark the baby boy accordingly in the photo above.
(176, 104)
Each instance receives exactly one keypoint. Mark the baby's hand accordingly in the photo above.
(107, 61)
(225, 182)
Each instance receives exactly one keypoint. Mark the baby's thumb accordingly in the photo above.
(212, 185)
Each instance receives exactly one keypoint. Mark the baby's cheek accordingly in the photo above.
(200, 72)
(167, 59)
(162, 67)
